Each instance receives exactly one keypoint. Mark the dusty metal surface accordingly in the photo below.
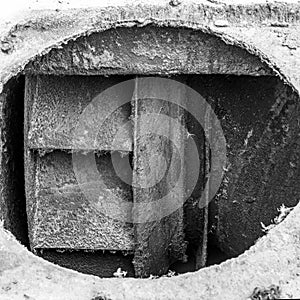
(161, 241)
(60, 216)
(56, 106)
(273, 260)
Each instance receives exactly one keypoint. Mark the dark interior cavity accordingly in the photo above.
(41, 202)
(98, 263)
(242, 103)
(13, 201)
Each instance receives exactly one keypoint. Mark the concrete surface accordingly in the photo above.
(272, 33)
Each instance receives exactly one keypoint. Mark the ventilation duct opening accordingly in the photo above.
(255, 109)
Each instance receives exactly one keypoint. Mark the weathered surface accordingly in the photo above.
(194, 213)
(273, 260)
(258, 137)
(56, 108)
(89, 54)
(61, 216)
(148, 50)
(57, 27)
(158, 174)
(261, 156)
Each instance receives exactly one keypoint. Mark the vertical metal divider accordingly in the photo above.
(201, 256)
(134, 153)
(31, 86)
(158, 241)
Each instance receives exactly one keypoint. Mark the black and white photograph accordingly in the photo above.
(149, 150)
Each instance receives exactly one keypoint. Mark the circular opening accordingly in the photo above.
(256, 111)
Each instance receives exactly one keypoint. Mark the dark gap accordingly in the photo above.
(99, 263)
(180, 267)
(13, 193)
(214, 254)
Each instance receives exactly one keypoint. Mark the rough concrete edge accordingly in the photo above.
(226, 38)
(34, 22)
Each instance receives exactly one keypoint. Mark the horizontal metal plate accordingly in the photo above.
(62, 216)
(72, 112)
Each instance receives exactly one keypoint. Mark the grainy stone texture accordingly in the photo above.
(148, 50)
(261, 29)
